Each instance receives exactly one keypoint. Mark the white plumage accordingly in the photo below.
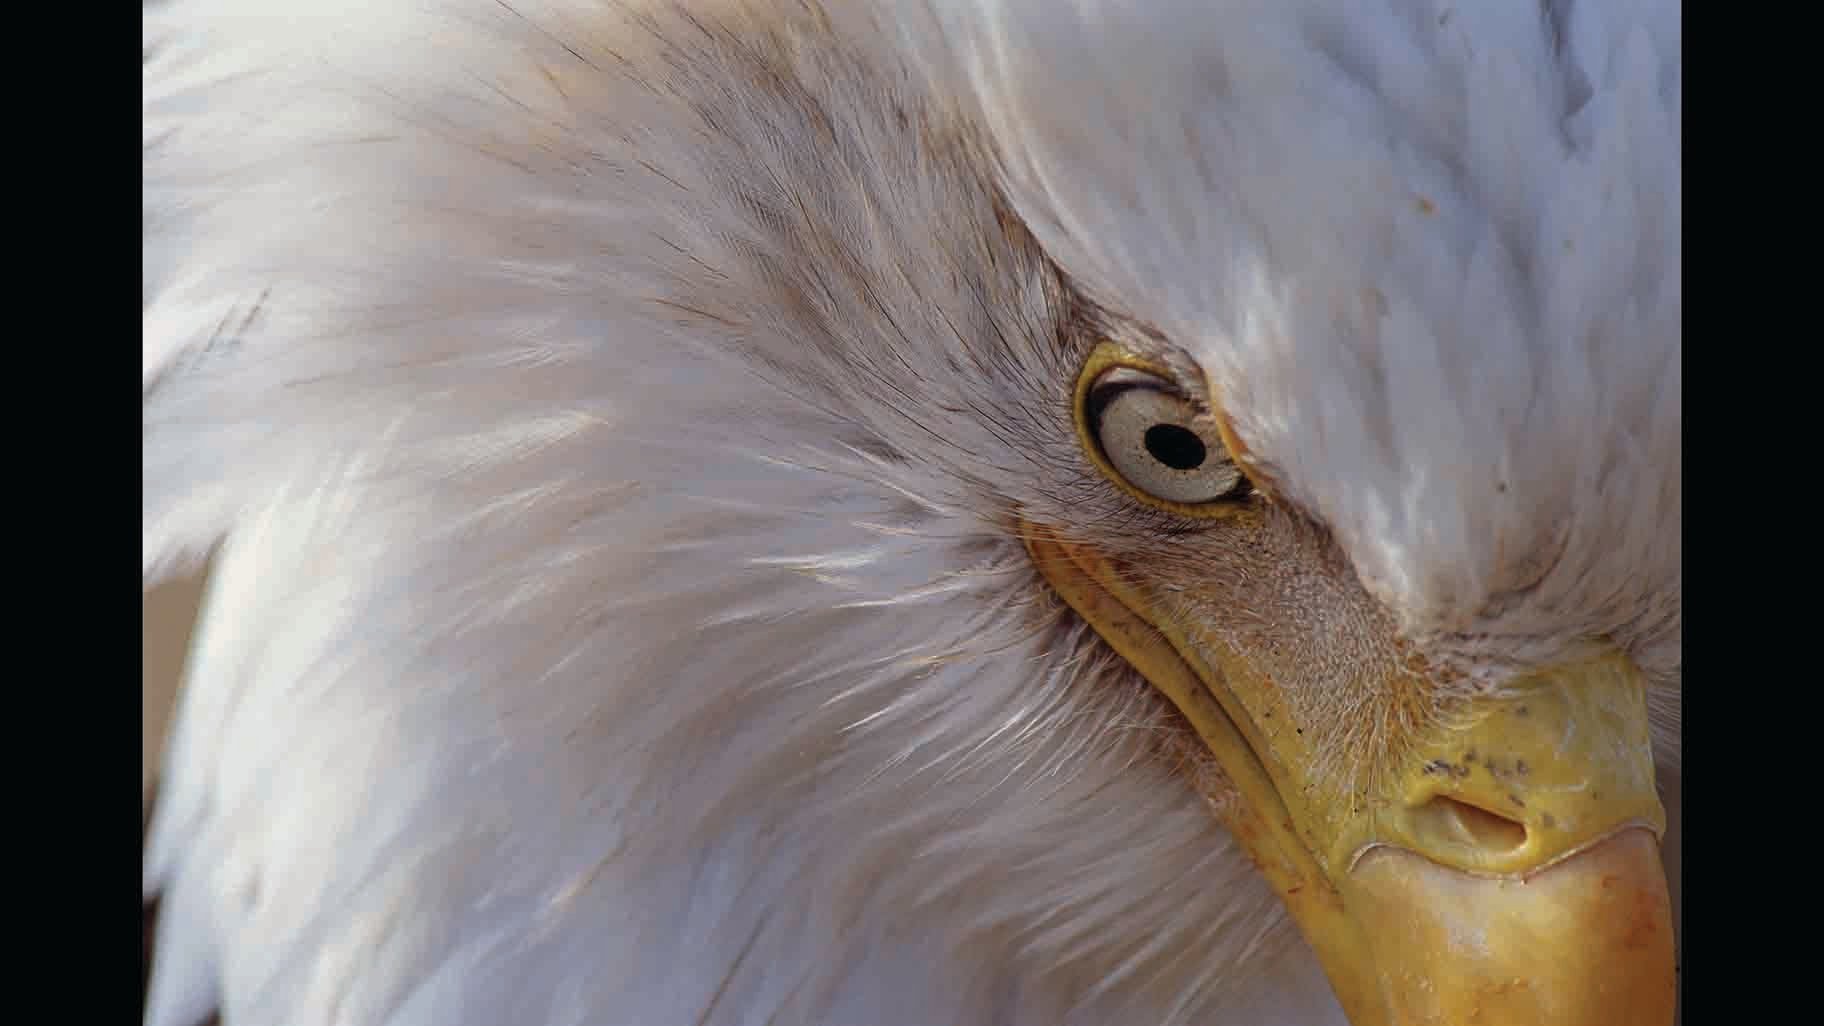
(612, 415)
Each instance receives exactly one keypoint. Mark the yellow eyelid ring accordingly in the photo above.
(1109, 357)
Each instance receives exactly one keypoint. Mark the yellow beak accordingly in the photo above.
(1503, 871)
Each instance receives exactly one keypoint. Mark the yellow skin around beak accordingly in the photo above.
(1503, 871)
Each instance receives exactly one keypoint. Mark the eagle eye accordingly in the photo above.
(1157, 442)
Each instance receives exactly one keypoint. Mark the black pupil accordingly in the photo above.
(1175, 447)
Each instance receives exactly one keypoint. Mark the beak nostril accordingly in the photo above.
(1458, 821)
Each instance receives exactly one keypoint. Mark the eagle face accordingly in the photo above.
(735, 512)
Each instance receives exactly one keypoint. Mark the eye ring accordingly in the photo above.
(1157, 444)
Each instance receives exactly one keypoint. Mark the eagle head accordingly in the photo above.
(748, 511)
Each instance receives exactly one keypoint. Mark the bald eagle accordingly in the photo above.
(916, 512)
